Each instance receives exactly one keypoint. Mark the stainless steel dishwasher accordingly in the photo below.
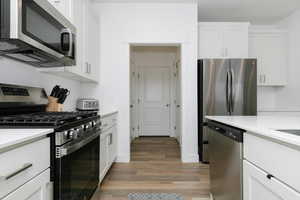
(226, 161)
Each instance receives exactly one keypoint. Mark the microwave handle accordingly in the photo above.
(68, 31)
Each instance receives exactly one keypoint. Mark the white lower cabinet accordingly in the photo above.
(108, 144)
(103, 156)
(107, 150)
(259, 185)
(39, 188)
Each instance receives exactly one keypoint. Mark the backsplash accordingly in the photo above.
(12, 72)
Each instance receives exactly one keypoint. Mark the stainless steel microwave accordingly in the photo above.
(35, 32)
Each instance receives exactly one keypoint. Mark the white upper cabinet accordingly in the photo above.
(87, 41)
(269, 46)
(91, 44)
(222, 40)
(64, 6)
(210, 42)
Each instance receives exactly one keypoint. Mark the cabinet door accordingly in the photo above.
(91, 63)
(235, 41)
(78, 20)
(270, 51)
(63, 6)
(115, 141)
(103, 156)
(258, 185)
(112, 141)
(39, 188)
(210, 42)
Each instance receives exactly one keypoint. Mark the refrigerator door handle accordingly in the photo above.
(228, 92)
(231, 91)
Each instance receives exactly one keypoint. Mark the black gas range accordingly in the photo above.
(75, 141)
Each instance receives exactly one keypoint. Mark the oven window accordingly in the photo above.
(79, 172)
(41, 26)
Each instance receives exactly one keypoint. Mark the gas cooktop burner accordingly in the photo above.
(44, 119)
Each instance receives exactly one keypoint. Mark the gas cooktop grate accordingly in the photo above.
(44, 119)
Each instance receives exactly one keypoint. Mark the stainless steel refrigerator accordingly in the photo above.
(225, 87)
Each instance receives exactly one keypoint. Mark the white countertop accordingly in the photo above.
(265, 126)
(107, 113)
(11, 137)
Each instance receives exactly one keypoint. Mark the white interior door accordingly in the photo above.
(155, 100)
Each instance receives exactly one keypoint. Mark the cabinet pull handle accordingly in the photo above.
(87, 67)
(270, 176)
(110, 139)
(18, 171)
(90, 68)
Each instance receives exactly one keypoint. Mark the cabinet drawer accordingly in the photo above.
(108, 122)
(21, 164)
(38, 188)
(258, 185)
(279, 160)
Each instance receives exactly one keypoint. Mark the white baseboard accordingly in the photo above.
(190, 158)
(125, 158)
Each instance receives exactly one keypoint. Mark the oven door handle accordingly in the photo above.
(67, 149)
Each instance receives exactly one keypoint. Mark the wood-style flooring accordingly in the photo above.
(155, 167)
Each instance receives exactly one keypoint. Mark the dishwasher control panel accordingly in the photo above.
(228, 131)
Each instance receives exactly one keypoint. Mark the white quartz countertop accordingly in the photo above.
(108, 113)
(12, 137)
(265, 126)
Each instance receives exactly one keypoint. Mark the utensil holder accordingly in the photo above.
(53, 106)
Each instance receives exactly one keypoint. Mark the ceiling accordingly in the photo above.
(255, 11)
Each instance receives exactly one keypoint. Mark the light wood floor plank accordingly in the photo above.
(155, 167)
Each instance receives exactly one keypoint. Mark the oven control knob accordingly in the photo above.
(66, 135)
(71, 134)
(87, 126)
(77, 132)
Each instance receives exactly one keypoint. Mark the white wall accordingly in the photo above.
(13, 72)
(122, 24)
(286, 98)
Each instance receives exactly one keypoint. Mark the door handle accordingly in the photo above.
(167, 105)
(227, 92)
(231, 91)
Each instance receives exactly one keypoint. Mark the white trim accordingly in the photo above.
(172, 82)
(190, 158)
(123, 158)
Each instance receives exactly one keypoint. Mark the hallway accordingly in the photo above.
(155, 167)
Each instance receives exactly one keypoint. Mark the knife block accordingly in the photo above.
(53, 106)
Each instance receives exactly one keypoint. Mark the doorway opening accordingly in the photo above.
(155, 95)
